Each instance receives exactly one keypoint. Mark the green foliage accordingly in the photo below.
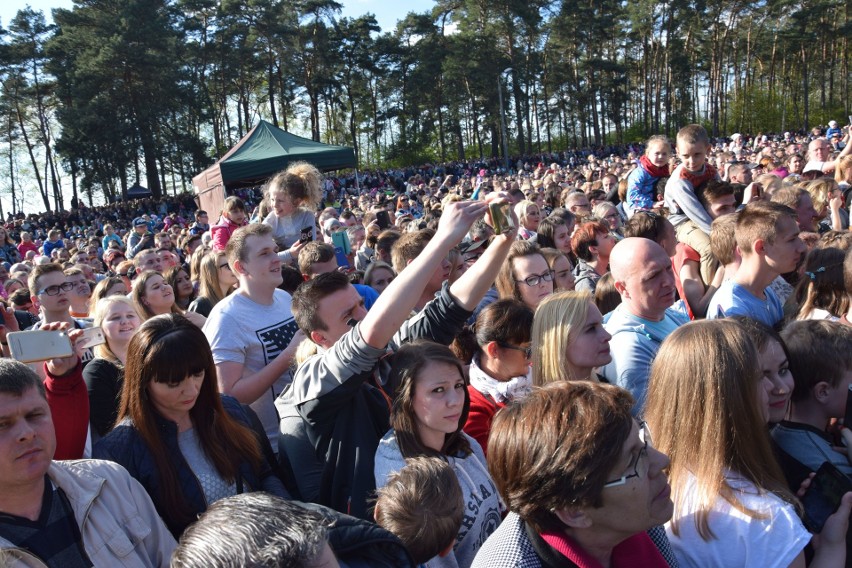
(120, 90)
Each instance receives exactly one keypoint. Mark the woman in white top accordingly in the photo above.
(294, 195)
(707, 406)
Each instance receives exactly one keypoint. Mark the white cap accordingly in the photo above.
(736, 136)
(832, 123)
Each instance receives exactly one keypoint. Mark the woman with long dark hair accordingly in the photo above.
(429, 409)
(184, 442)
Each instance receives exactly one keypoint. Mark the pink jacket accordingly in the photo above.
(221, 233)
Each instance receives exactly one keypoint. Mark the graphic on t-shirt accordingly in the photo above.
(276, 338)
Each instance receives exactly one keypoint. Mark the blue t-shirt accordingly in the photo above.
(634, 345)
(732, 299)
(370, 296)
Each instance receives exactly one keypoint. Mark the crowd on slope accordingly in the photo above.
(621, 356)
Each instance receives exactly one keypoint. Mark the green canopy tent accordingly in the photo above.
(261, 153)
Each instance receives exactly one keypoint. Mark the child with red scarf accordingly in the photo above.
(642, 181)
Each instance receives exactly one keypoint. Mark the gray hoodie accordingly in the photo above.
(482, 505)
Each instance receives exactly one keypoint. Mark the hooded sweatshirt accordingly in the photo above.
(482, 506)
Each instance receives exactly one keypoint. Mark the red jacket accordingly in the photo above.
(482, 411)
(68, 399)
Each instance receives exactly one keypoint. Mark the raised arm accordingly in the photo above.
(471, 286)
(399, 298)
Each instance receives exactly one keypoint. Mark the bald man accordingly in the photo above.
(643, 276)
(819, 152)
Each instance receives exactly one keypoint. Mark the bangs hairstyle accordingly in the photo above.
(547, 228)
(167, 349)
(506, 285)
(760, 220)
(704, 411)
(233, 203)
(406, 367)
(558, 321)
(555, 448)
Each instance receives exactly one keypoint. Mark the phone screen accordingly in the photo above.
(383, 219)
(823, 498)
(501, 217)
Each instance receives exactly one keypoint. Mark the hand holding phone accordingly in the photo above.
(39, 345)
(383, 219)
(824, 496)
(501, 217)
(90, 337)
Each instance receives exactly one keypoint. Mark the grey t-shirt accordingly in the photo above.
(242, 331)
(215, 487)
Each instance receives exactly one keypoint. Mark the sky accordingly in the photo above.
(387, 12)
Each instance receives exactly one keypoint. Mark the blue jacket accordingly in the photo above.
(126, 447)
(641, 190)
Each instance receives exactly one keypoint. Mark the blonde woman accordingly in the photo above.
(104, 375)
(707, 408)
(529, 216)
(568, 339)
(294, 195)
(216, 280)
(826, 196)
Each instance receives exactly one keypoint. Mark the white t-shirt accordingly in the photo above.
(242, 331)
(740, 540)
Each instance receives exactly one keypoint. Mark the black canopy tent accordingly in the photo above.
(261, 153)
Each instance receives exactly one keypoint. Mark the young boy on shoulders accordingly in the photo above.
(690, 219)
(717, 198)
(768, 240)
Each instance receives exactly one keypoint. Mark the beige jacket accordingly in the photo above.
(118, 522)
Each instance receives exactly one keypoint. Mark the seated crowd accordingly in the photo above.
(643, 367)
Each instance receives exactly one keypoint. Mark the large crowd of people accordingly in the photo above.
(622, 356)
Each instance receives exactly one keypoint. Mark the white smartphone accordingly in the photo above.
(91, 336)
(38, 345)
